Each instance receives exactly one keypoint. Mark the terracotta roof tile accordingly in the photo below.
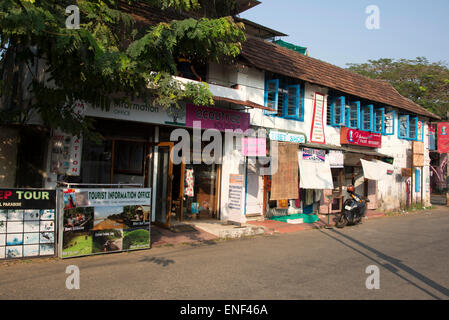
(271, 57)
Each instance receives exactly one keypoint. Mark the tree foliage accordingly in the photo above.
(46, 67)
(423, 82)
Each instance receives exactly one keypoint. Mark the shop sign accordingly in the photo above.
(314, 155)
(443, 137)
(216, 118)
(66, 154)
(317, 131)
(139, 111)
(336, 159)
(27, 223)
(235, 198)
(254, 147)
(105, 220)
(287, 137)
(360, 138)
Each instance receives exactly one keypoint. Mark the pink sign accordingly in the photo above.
(216, 118)
(360, 138)
(254, 147)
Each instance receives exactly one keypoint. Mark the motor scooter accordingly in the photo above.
(353, 210)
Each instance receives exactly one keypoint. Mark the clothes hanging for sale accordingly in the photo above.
(189, 183)
(317, 195)
(298, 201)
(309, 197)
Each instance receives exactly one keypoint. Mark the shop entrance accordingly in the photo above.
(185, 191)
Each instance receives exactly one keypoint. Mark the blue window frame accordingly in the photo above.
(408, 127)
(353, 115)
(337, 111)
(379, 120)
(272, 95)
(288, 101)
(367, 118)
(389, 119)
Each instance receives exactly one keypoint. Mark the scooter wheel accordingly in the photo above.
(341, 221)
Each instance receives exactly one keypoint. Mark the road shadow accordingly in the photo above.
(394, 265)
(164, 262)
(161, 236)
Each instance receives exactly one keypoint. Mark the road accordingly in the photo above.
(411, 252)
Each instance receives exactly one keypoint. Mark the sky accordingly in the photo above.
(335, 31)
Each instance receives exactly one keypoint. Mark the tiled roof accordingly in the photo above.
(271, 57)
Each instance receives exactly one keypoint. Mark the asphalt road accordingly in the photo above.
(411, 252)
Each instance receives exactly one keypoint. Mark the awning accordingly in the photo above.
(375, 170)
(315, 174)
(246, 103)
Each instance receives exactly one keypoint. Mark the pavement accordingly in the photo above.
(410, 252)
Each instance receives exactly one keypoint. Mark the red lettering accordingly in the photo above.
(5, 194)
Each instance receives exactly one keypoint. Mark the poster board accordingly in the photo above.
(235, 207)
(99, 221)
(27, 223)
(317, 131)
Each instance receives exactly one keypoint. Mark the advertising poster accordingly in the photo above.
(317, 131)
(235, 198)
(27, 223)
(443, 137)
(105, 220)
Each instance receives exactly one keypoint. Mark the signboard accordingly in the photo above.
(443, 137)
(66, 154)
(314, 155)
(360, 138)
(317, 131)
(235, 198)
(254, 147)
(216, 118)
(105, 220)
(139, 111)
(287, 137)
(336, 159)
(27, 223)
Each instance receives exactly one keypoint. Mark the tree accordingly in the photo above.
(46, 67)
(425, 83)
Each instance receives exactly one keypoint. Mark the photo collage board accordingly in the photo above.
(105, 220)
(27, 223)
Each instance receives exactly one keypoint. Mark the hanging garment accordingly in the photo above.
(189, 182)
(318, 195)
(309, 197)
(298, 201)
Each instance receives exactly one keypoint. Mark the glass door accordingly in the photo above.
(164, 181)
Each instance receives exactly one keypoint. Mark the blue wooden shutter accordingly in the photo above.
(403, 126)
(342, 101)
(417, 180)
(272, 95)
(413, 128)
(293, 101)
(354, 115)
(367, 118)
(379, 120)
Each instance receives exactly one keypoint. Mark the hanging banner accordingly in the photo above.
(314, 174)
(313, 154)
(443, 137)
(105, 220)
(66, 154)
(360, 138)
(284, 184)
(317, 131)
(27, 223)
